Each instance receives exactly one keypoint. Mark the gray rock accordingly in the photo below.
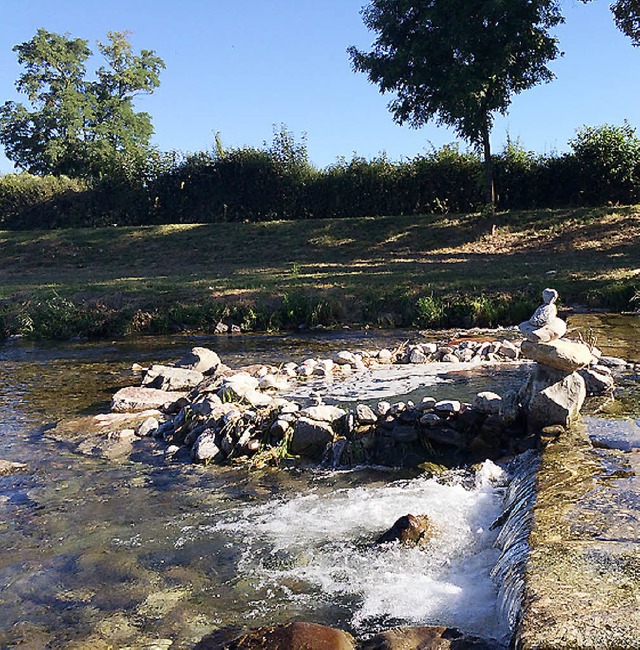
(508, 350)
(427, 404)
(200, 359)
(205, 448)
(450, 357)
(134, 398)
(430, 420)
(207, 405)
(487, 402)
(417, 356)
(560, 354)
(168, 378)
(612, 362)
(597, 383)
(148, 428)
(553, 397)
(310, 438)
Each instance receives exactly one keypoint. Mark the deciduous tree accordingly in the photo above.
(76, 126)
(458, 62)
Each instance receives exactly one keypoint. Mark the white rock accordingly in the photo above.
(365, 415)
(385, 356)
(324, 413)
(345, 358)
(382, 408)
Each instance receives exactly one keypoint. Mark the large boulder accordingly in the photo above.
(552, 397)
(310, 438)
(169, 378)
(428, 638)
(134, 398)
(294, 636)
(200, 359)
(561, 354)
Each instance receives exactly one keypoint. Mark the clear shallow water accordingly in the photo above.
(96, 554)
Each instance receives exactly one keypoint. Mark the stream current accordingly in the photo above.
(143, 554)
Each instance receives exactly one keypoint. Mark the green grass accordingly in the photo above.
(428, 270)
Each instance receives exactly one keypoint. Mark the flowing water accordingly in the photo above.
(97, 554)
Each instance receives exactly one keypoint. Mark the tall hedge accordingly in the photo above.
(278, 182)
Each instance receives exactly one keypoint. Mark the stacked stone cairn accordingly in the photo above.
(210, 413)
(564, 373)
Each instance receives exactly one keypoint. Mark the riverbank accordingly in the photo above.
(429, 271)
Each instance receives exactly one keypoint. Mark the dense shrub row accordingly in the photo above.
(278, 182)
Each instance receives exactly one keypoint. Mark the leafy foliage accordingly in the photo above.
(75, 126)
(458, 61)
(609, 161)
(626, 14)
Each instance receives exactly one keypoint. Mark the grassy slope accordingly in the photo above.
(595, 253)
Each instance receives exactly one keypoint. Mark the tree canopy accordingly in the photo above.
(74, 125)
(458, 62)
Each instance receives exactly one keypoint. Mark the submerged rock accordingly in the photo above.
(428, 638)
(294, 636)
(412, 530)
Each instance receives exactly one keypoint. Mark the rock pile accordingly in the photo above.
(557, 386)
(208, 412)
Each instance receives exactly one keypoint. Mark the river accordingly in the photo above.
(143, 554)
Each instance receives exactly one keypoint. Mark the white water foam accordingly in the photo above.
(379, 383)
(326, 542)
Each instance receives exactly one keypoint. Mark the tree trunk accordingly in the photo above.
(490, 194)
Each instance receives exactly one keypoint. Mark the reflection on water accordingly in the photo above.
(96, 554)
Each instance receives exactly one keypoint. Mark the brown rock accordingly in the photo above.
(427, 638)
(412, 530)
(294, 636)
(8, 467)
(560, 354)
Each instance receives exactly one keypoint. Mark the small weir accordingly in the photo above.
(140, 553)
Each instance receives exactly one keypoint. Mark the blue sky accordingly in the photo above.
(242, 66)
